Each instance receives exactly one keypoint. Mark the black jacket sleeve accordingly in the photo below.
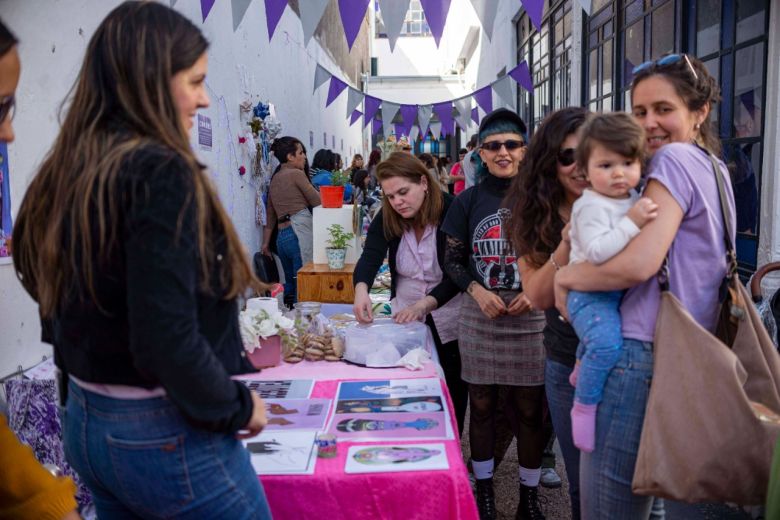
(162, 267)
(456, 252)
(374, 253)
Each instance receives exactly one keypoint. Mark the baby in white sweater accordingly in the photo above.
(603, 221)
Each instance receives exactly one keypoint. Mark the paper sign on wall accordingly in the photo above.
(204, 131)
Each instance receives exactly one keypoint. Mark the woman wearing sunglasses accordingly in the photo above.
(671, 98)
(500, 333)
(541, 199)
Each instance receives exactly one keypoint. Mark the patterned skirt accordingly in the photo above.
(508, 350)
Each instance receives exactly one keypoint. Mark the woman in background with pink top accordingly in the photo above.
(672, 99)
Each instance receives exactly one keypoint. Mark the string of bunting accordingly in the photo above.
(400, 118)
(392, 15)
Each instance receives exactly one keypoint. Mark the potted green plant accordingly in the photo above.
(339, 242)
(333, 195)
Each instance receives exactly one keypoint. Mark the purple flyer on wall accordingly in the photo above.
(204, 131)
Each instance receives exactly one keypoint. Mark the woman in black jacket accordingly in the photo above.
(407, 231)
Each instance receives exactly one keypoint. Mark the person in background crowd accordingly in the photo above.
(27, 489)
(373, 159)
(456, 173)
(541, 198)
(338, 161)
(469, 167)
(360, 182)
(322, 168)
(444, 173)
(407, 231)
(290, 195)
(136, 267)
(671, 98)
(357, 164)
(500, 333)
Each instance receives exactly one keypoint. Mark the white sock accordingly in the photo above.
(530, 477)
(484, 469)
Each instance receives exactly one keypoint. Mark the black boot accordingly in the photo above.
(486, 500)
(528, 508)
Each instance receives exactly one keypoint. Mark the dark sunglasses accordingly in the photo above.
(510, 145)
(566, 157)
(671, 59)
(7, 105)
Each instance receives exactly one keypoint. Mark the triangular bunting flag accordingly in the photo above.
(354, 117)
(408, 113)
(273, 13)
(311, 14)
(370, 108)
(503, 89)
(393, 16)
(435, 129)
(534, 8)
(424, 116)
(354, 98)
(484, 98)
(436, 16)
(398, 129)
(389, 110)
(336, 87)
(173, 2)
(320, 76)
(586, 5)
(352, 13)
(238, 7)
(463, 108)
(205, 8)
(475, 115)
(522, 75)
(444, 111)
(413, 134)
(486, 12)
(376, 126)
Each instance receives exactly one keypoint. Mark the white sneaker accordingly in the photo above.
(550, 478)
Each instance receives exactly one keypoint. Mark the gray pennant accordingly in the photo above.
(463, 107)
(389, 110)
(320, 76)
(486, 11)
(413, 133)
(436, 130)
(503, 89)
(311, 14)
(393, 15)
(239, 10)
(173, 2)
(354, 98)
(586, 5)
(424, 116)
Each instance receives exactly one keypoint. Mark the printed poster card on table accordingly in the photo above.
(383, 389)
(423, 403)
(296, 414)
(282, 389)
(390, 426)
(405, 457)
(282, 453)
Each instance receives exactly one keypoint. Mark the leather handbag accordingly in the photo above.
(713, 414)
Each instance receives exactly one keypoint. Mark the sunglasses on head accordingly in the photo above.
(7, 105)
(671, 59)
(510, 145)
(566, 157)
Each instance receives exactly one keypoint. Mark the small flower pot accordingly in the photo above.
(336, 257)
(268, 355)
(332, 196)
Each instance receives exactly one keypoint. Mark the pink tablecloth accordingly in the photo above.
(331, 494)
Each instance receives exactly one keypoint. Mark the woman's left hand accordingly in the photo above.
(415, 312)
(561, 294)
(520, 304)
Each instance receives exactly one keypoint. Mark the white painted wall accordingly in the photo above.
(53, 39)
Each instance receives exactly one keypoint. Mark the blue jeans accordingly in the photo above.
(290, 254)
(140, 458)
(606, 474)
(560, 397)
(595, 317)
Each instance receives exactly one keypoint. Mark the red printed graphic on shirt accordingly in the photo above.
(493, 254)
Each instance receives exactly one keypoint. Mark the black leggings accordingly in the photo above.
(449, 358)
(524, 406)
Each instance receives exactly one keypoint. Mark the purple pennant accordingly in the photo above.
(352, 13)
(436, 15)
(534, 8)
(205, 8)
(336, 87)
(376, 126)
(475, 115)
(399, 130)
(273, 13)
(371, 106)
(354, 117)
(408, 113)
(444, 111)
(522, 75)
(484, 97)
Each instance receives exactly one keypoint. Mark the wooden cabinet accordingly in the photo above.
(318, 283)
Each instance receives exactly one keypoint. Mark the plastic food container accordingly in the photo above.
(383, 343)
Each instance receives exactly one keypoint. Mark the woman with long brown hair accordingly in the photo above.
(407, 230)
(123, 242)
